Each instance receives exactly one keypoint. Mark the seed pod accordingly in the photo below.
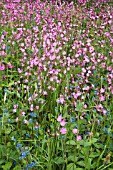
(107, 159)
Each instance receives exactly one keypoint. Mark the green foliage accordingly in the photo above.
(30, 132)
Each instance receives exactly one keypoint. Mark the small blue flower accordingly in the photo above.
(95, 92)
(21, 157)
(93, 98)
(72, 119)
(9, 120)
(13, 138)
(38, 87)
(5, 114)
(87, 133)
(104, 79)
(95, 109)
(30, 120)
(5, 109)
(32, 114)
(24, 154)
(28, 135)
(14, 163)
(26, 168)
(32, 164)
(18, 145)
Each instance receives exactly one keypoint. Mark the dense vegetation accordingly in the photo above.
(56, 85)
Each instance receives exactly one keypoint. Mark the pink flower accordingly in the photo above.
(62, 122)
(75, 130)
(23, 113)
(63, 131)
(61, 100)
(91, 49)
(57, 134)
(102, 90)
(104, 111)
(59, 119)
(102, 98)
(25, 121)
(17, 119)
(37, 107)
(10, 66)
(2, 67)
(78, 138)
(14, 110)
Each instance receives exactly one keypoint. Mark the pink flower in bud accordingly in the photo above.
(17, 119)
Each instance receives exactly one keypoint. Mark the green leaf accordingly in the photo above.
(71, 142)
(71, 166)
(87, 144)
(18, 167)
(94, 140)
(110, 145)
(94, 155)
(7, 166)
(81, 163)
(59, 160)
(79, 106)
(2, 161)
(81, 142)
(94, 165)
(72, 158)
(11, 83)
(8, 131)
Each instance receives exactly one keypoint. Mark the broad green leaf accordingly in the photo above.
(94, 154)
(8, 131)
(18, 167)
(7, 166)
(87, 144)
(94, 140)
(2, 161)
(72, 158)
(81, 163)
(71, 142)
(59, 160)
(11, 83)
(71, 166)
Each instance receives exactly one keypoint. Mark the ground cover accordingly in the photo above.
(56, 85)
